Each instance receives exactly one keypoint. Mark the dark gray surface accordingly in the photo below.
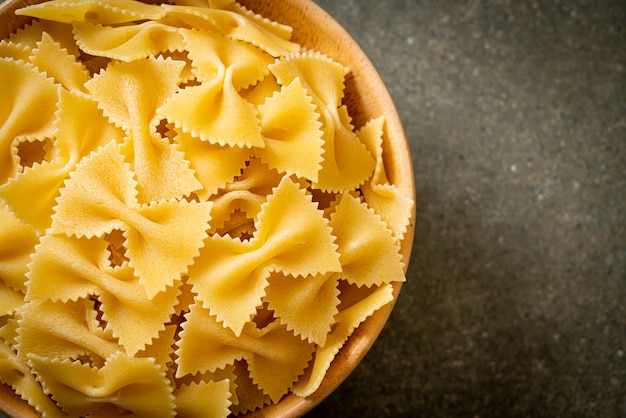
(515, 301)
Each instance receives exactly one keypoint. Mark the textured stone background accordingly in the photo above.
(515, 301)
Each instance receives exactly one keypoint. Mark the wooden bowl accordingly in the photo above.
(367, 98)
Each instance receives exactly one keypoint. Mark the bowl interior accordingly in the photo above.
(366, 98)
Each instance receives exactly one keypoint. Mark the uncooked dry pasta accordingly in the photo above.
(190, 224)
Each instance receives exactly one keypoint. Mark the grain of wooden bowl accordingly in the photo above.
(366, 97)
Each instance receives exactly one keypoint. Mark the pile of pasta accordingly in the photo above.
(190, 224)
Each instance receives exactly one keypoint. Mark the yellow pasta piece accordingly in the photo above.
(136, 385)
(75, 139)
(261, 91)
(385, 198)
(129, 42)
(246, 194)
(227, 373)
(99, 11)
(369, 254)
(27, 111)
(29, 35)
(17, 242)
(8, 330)
(237, 226)
(187, 76)
(101, 177)
(347, 163)
(204, 399)
(162, 349)
(132, 318)
(19, 377)
(14, 50)
(67, 269)
(10, 299)
(291, 131)
(305, 305)
(283, 31)
(185, 300)
(278, 29)
(212, 55)
(235, 26)
(170, 231)
(214, 111)
(251, 397)
(215, 165)
(62, 330)
(129, 94)
(291, 237)
(347, 320)
(57, 63)
(206, 345)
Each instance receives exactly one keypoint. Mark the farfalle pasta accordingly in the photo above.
(190, 223)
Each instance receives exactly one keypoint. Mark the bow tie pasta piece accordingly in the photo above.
(206, 399)
(66, 268)
(323, 77)
(347, 320)
(369, 254)
(275, 356)
(283, 31)
(215, 165)
(57, 63)
(214, 111)
(291, 131)
(169, 231)
(17, 242)
(235, 26)
(132, 318)
(130, 42)
(97, 11)
(63, 330)
(385, 198)
(305, 305)
(291, 236)
(80, 128)
(97, 192)
(19, 377)
(347, 163)
(27, 111)
(129, 94)
(211, 54)
(136, 385)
